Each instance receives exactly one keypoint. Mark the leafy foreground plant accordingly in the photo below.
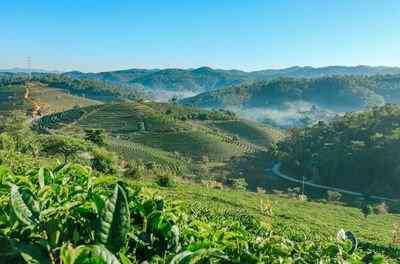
(67, 216)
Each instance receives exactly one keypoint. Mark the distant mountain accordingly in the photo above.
(295, 98)
(311, 72)
(195, 80)
(207, 79)
(24, 70)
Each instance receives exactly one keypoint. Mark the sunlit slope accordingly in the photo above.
(12, 98)
(39, 98)
(253, 132)
(147, 124)
(290, 214)
(56, 100)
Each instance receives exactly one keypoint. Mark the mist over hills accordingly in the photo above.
(286, 101)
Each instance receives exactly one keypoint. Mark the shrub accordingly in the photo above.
(278, 192)
(63, 145)
(97, 136)
(381, 208)
(165, 178)
(104, 161)
(266, 208)
(135, 170)
(333, 196)
(294, 192)
(396, 233)
(261, 190)
(367, 210)
(239, 184)
(212, 184)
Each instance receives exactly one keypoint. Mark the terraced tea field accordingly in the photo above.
(251, 131)
(12, 98)
(130, 150)
(139, 122)
(57, 100)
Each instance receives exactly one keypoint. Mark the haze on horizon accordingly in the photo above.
(102, 35)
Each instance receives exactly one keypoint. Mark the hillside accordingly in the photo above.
(91, 89)
(288, 101)
(358, 152)
(162, 126)
(194, 80)
(253, 132)
(215, 220)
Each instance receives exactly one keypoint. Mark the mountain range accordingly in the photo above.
(207, 79)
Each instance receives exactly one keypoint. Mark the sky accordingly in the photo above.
(100, 35)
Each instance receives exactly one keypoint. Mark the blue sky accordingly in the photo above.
(97, 35)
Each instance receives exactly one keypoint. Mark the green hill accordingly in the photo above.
(207, 79)
(162, 126)
(359, 151)
(288, 102)
(334, 93)
(253, 132)
(12, 98)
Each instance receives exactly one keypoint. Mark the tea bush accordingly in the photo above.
(67, 215)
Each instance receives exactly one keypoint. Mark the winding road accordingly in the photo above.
(276, 170)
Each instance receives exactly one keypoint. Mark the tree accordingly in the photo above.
(239, 184)
(97, 136)
(333, 196)
(64, 145)
(104, 161)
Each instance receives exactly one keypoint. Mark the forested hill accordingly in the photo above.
(195, 80)
(207, 79)
(94, 89)
(339, 93)
(359, 151)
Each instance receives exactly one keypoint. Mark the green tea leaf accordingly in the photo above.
(20, 206)
(41, 177)
(114, 221)
(95, 254)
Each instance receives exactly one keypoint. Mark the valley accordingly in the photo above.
(218, 166)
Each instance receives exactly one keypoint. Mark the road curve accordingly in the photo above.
(276, 170)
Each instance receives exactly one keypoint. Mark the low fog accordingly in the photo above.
(165, 95)
(292, 114)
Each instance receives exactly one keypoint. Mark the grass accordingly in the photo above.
(194, 144)
(12, 98)
(57, 100)
(135, 151)
(160, 131)
(322, 218)
(251, 131)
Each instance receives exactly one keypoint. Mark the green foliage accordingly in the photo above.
(104, 161)
(333, 196)
(239, 184)
(135, 170)
(66, 215)
(165, 178)
(67, 146)
(97, 136)
(114, 221)
(332, 92)
(358, 151)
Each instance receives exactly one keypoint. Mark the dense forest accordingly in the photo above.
(359, 151)
(342, 93)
